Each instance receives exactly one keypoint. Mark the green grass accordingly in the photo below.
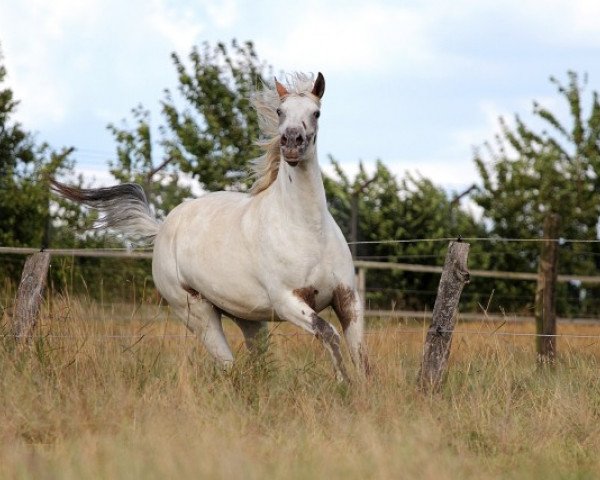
(79, 405)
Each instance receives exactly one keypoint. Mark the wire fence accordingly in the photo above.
(190, 336)
(560, 240)
(143, 251)
(370, 263)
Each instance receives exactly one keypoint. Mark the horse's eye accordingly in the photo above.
(317, 114)
(279, 112)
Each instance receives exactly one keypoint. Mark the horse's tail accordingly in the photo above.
(124, 208)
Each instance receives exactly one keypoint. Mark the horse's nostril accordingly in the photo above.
(292, 138)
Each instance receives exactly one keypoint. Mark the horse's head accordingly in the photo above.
(298, 120)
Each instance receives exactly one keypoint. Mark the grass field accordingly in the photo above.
(93, 398)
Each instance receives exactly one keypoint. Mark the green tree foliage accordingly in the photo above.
(209, 130)
(213, 136)
(28, 217)
(31, 217)
(397, 210)
(24, 168)
(528, 174)
(135, 163)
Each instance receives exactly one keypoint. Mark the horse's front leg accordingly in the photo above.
(348, 307)
(297, 307)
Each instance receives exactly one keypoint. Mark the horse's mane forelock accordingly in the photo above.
(266, 102)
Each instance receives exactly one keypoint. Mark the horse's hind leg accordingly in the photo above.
(348, 308)
(256, 335)
(204, 320)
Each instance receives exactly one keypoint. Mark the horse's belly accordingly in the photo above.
(236, 294)
(244, 296)
(241, 303)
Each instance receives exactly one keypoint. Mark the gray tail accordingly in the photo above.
(124, 208)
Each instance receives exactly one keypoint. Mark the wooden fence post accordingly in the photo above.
(361, 285)
(30, 294)
(545, 295)
(436, 350)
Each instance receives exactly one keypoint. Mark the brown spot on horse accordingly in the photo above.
(307, 295)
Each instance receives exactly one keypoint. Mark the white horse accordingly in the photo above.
(274, 253)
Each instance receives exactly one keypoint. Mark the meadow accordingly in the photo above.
(122, 391)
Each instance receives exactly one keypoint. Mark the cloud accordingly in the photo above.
(53, 20)
(181, 23)
(97, 177)
(363, 36)
(31, 53)
(490, 111)
(428, 39)
(449, 173)
(466, 138)
(221, 13)
(181, 27)
(561, 23)
(452, 173)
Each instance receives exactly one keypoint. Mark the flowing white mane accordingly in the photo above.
(266, 102)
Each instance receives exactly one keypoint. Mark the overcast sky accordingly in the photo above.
(416, 84)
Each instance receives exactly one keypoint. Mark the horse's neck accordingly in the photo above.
(300, 193)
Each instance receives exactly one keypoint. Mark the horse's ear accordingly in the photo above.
(319, 87)
(281, 90)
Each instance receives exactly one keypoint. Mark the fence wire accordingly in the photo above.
(142, 251)
(560, 240)
(190, 336)
(146, 253)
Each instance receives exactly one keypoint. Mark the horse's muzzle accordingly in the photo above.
(293, 145)
(292, 157)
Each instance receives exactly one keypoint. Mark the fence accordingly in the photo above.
(363, 266)
(454, 276)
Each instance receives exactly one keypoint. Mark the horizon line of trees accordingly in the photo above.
(208, 132)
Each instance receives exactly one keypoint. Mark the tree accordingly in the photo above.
(24, 168)
(397, 210)
(214, 136)
(27, 217)
(528, 175)
(210, 128)
(135, 163)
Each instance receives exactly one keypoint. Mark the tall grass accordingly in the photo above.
(123, 392)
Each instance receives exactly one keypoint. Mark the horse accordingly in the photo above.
(272, 253)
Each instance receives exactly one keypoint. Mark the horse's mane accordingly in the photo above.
(266, 102)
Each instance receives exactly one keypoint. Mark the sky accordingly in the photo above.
(416, 84)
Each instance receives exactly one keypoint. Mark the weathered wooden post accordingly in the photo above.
(30, 294)
(361, 284)
(545, 295)
(436, 350)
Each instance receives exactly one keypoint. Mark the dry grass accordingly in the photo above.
(77, 404)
